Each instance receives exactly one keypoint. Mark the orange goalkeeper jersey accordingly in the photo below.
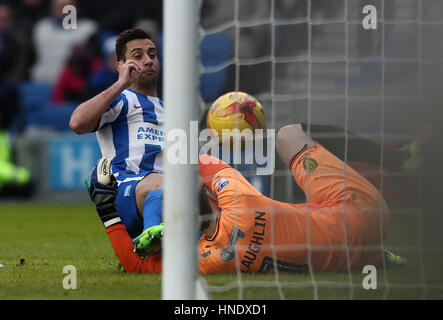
(342, 224)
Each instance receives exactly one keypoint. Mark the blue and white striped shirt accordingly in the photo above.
(131, 134)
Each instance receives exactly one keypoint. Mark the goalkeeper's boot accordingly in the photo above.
(416, 159)
(150, 241)
(416, 149)
(393, 260)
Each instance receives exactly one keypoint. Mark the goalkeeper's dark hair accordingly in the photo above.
(205, 209)
(126, 36)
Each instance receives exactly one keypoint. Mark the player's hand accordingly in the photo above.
(126, 73)
(103, 195)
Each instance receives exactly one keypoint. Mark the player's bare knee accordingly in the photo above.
(290, 141)
(148, 184)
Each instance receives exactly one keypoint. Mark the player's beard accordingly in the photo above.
(147, 82)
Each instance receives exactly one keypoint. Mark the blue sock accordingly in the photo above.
(152, 209)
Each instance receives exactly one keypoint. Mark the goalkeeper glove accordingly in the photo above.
(102, 188)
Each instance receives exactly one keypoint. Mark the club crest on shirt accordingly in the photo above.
(221, 184)
(309, 164)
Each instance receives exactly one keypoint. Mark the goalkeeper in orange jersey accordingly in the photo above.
(342, 225)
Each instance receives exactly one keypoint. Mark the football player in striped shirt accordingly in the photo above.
(128, 119)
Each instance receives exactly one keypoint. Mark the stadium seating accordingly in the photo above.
(39, 111)
(215, 49)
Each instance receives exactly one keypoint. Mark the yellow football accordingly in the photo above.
(236, 110)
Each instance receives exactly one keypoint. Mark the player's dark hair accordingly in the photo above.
(126, 36)
(205, 209)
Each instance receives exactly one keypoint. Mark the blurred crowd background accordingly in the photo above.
(381, 84)
(47, 70)
(41, 60)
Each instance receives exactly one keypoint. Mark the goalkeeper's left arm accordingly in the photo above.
(104, 196)
(124, 249)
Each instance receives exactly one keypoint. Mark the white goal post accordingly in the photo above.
(181, 94)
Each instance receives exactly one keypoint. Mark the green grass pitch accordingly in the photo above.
(38, 240)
